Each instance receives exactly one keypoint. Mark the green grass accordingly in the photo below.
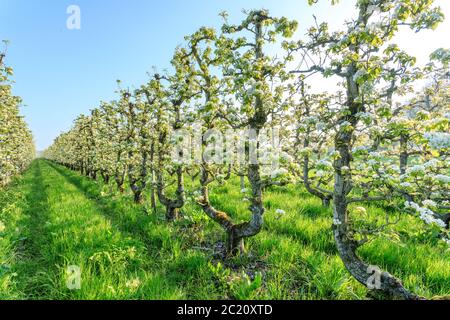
(55, 218)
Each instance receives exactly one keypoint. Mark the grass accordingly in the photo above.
(54, 218)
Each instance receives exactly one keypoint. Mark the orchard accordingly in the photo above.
(240, 110)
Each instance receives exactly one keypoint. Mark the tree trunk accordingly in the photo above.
(242, 180)
(172, 205)
(235, 244)
(403, 153)
(370, 276)
(325, 197)
(152, 172)
(120, 186)
(404, 161)
(138, 198)
(153, 197)
(382, 283)
(447, 220)
(172, 213)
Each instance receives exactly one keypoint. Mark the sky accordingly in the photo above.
(61, 73)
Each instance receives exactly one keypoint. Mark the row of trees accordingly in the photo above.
(16, 141)
(358, 143)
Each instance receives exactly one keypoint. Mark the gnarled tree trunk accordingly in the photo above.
(138, 184)
(172, 205)
(370, 276)
(120, 180)
(105, 176)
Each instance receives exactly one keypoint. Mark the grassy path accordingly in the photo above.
(52, 218)
(61, 227)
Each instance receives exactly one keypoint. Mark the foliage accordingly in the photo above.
(16, 141)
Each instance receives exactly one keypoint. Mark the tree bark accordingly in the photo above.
(172, 205)
(404, 161)
(152, 193)
(120, 183)
(385, 283)
(105, 176)
(138, 197)
(172, 213)
(235, 244)
(152, 173)
(326, 202)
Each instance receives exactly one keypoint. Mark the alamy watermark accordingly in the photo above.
(195, 145)
(73, 277)
(73, 22)
(374, 280)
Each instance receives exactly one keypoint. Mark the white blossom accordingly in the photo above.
(360, 148)
(438, 140)
(405, 184)
(442, 178)
(133, 284)
(373, 9)
(416, 169)
(345, 124)
(286, 157)
(425, 214)
(320, 126)
(429, 203)
(430, 164)
(278, 172)
(324, 163)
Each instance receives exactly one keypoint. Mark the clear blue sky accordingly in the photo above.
(61, 73)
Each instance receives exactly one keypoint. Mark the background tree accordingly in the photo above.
(16, 140)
